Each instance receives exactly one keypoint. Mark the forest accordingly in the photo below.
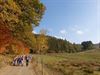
(56, 45)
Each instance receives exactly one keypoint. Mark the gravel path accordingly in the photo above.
(17, 70)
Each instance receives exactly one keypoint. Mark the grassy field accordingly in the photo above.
(5, 60)
(83, 63)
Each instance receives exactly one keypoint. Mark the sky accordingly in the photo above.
(73, 20)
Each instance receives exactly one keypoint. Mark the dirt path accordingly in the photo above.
(35, 68)
(17, 70)
(32, 69)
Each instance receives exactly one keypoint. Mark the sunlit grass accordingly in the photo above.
(5, 60)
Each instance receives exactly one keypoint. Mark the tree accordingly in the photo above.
(59, 46)
(87, 45)
(42, 42)
(17, 17)
(77, 47)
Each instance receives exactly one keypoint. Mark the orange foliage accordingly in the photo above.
(2, 49)
(20, 47)
(6, 39)
(27, 50)
(5, 36)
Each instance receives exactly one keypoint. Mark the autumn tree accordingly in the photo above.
(17, 18)
(42, 42)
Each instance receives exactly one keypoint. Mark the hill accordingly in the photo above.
(56, 45)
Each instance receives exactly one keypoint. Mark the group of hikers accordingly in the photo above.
(22, 60)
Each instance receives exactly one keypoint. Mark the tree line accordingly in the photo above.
(54, 45)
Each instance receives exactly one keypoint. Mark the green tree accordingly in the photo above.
(77, 47)
(86, 45)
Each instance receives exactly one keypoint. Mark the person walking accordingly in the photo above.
(27, 60)
(15, 61)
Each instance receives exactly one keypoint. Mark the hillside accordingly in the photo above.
(57, 45)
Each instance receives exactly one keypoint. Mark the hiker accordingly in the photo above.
(19, 61)
(24, 61)
(21, 58)
(15, 61)
(27, 60)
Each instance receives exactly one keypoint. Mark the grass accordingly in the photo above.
(83, 63)
(5, 60)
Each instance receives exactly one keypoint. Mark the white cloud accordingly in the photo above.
(79, 32)
(63, 31)
(59, 37)
(34, 32)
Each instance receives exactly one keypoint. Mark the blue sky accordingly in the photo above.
(74, 20)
